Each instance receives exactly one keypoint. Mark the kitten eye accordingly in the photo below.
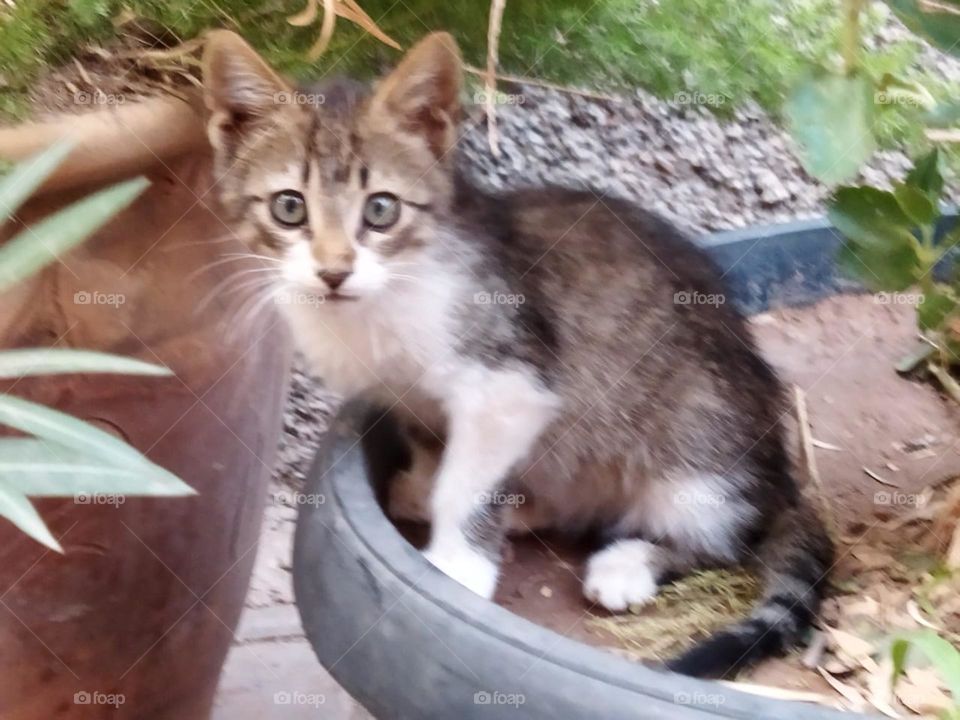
(288, 208)
(381, 210)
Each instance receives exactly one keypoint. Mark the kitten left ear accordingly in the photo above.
(240, 89)
(423, 92)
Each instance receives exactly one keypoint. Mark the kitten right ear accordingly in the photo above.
(240, 89)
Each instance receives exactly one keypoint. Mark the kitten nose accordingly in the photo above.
(333, 278)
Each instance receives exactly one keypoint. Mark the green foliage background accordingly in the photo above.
(750, 50)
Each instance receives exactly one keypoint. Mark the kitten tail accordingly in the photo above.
(795, 557)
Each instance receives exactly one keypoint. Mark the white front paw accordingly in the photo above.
(619, 576)
(470, 568)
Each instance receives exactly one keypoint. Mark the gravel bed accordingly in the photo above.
(703, 172)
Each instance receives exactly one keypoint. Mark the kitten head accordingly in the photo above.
(339, 184)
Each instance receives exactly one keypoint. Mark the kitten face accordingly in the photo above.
(342, 187)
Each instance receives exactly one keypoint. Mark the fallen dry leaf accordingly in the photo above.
(850, 649)
(856, 701)
(348, 10)
(878, 478)
(871, 558)
(813, 655)
(777, 693)
(921, 691)
(820, 444)
(880, 688)
(859, 606)
(913, 610)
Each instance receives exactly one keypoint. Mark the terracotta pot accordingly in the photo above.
(135, 619)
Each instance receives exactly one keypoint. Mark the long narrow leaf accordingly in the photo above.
(944, 657)
(17, 509)
(58, 427)
(54, 361)
(26, 176)
(44, 242)
(65, 429)
(44, 469)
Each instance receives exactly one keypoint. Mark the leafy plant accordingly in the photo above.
(734, 52)
(58, 455)
(891, 244)
(839, 110)
(891, 236)
(944, 657)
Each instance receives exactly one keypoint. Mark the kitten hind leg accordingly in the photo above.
(629, 572)
(409, 491)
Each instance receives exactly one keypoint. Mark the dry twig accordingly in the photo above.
(809, 459)
(490, 77)
(524, 80)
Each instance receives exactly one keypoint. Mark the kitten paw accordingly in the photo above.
(620, 575)
(472, 569)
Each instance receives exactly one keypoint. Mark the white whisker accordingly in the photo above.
(222, 289)
(209, 266)
(255, 310)
(256, 256)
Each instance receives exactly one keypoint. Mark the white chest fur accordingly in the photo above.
(404, 337)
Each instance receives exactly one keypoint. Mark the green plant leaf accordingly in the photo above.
(27, 175)
(945, 114)
(54, 361)
(934, 307)
(44, 242)
(881, 268)
(898, 654)
(916, 204)
(63, 429)
(870, 218)
(49, 424)
(941, 653)
(925, 175)
(17, 509)
(45, 469)
(942, 28)
(831, 119)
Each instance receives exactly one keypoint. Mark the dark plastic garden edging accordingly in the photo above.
(411, 644)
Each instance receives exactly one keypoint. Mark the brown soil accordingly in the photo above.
(841, 352)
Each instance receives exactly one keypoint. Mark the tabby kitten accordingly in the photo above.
(538, 338)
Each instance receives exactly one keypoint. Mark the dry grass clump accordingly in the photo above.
(682, 613)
